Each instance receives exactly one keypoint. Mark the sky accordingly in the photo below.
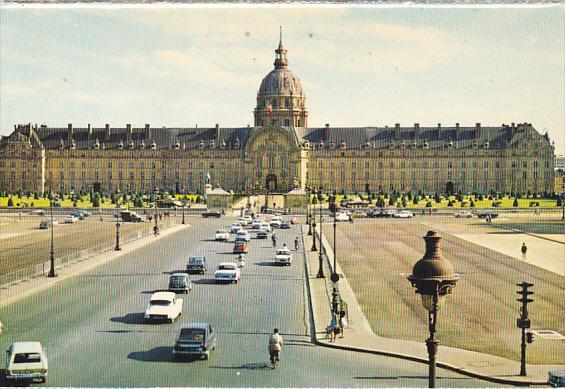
(363, 65)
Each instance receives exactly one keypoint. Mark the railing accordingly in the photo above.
(42, 269)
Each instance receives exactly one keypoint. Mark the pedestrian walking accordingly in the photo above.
(524, 251)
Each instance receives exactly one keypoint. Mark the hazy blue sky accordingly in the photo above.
(359, 66)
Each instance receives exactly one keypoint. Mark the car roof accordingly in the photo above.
(201, 326)
(163, 296)
(196, 257)
(26, 347)
(179, 275)
(228, 263)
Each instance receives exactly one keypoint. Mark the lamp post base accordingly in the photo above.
(432, 346)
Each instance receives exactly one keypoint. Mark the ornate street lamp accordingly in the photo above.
(117, 248)
(334, 277)
(563, 205)
(308, 214)
(314, 223)
(434, 278)
(320, 259)
(52, 252)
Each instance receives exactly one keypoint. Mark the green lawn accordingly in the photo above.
(83, 203)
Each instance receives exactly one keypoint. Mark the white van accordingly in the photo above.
(26, 361)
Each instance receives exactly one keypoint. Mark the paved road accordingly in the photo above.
(94, 333)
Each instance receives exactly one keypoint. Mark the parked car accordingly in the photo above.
(26, 361)
(403, 214)
(391, 212)
(195, 339)
(342, 217)
(243, 221)
(78, 214)
(557, 378)
(256, 224)
(130, 216)
(235, 228)
(196, 264)
(359, 213)
(179, 283)
(285, 225)
(248, 220)
(243, 235)
(283, 257)
(86, 213)
(217, 214)
(227, 272)
(275, 222)
(46, 224)
(265, 226)
(240, 247)
(163, 306)
(222, 235)
(262, 234)
(70, 219)
(464, 213)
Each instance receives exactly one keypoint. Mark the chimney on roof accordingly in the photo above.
(438, 131)
(457, 131)
(147, 131)
(416, 131)
(217, 126)
(129, 132)
(107, 131)
(89, 131)
(396, 131)
(70, 131)
(512, 130)
(326, 132)
(477, 130)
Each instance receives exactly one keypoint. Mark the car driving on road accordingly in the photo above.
(285, 225)
(26, 361)
(262, 234)
(283, 257)
(464, 214)
(180, 283)
(163, 306)
(227, 272)
(240, 246)
(243, 235)
(196, 264)
(195, 339)
(222, 235)
(403, 214)
(235, 228)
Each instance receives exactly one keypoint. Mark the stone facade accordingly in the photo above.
(277, 150)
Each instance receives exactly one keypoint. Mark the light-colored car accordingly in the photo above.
(390, 212)
(283, 257)
(358, 213)
(243, 235)
(262, 234)
(256, 224)
(248, 219)
(26, 361)
(463, 213)
(222, 235)
(342, 217)
(235, 228)
(243, 221)
(265, 226)
(403, 214)
(70, 219)
(180, 283)
(195, 339)
(275, 222)
(227, 272)
(163, 306)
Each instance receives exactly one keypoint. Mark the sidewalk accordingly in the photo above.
(358, 335)
(21, 289)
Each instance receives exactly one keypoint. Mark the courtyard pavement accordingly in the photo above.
(358, 335)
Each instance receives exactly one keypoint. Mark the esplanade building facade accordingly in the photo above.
(278, 151)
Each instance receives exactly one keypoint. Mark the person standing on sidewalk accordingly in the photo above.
(524, 251)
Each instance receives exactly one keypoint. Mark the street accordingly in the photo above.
(92, 325)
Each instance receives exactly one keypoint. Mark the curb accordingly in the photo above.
(529, 233)
(412, 358)
(88, 264)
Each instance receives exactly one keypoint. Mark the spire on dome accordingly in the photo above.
(280, 59)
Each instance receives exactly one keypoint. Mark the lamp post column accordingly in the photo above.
(320, 248)
(432, 343)
(308, 213)
(183, 221)
(314, 226)
(563, 206)
(52, 251)
(117, 248)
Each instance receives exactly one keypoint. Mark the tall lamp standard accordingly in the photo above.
(334, 277)
(308, 214)
(434, 278)
(52, 252)
(320, 259)
(313, 217)
(563, 205)
(183, 203)
(117, 248)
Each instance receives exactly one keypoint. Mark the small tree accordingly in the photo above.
(381, 202)
(416, 199)
(460, 197)
(392, 200)
(10, 202)
(96, 201)
(437, 198)
(515, 204)
(450, 203)
(409, 195)
(472, 205)
(559, 202)
(404, 203)
(429, 204)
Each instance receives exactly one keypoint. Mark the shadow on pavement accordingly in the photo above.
(156, 354)
(410, 377)
(174, 271)
(130, 318)
(154, 291)
(204, 281)
(6, 382)
(270, 263)
(247, 366)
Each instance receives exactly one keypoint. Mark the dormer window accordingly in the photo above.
(426, 145)
(153, 146)
(201, 145)
(306, 145)
(223, 145)
(486, 145)
(343, 144)
(177, 145)
(73, 145)
(121, 145)
(332, 144)
(321, 144)
(450, 144)
(132, 145)
(414, 145)
(403, 145)
(212, 144)
(97, 144)
(391, 145)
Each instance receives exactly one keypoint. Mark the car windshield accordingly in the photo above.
(221, 231)
(195, 260)
(283, 252)
(192, 334)
(160, 302)
(226, 267)
(178, 280)
(27, 358)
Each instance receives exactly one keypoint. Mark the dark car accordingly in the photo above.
(196, 264)
(212, 214)
(484, 214)
(179, 283)
(240, 247)
(262, 234)
(78, 213)
(285, 225)
(196, 340)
